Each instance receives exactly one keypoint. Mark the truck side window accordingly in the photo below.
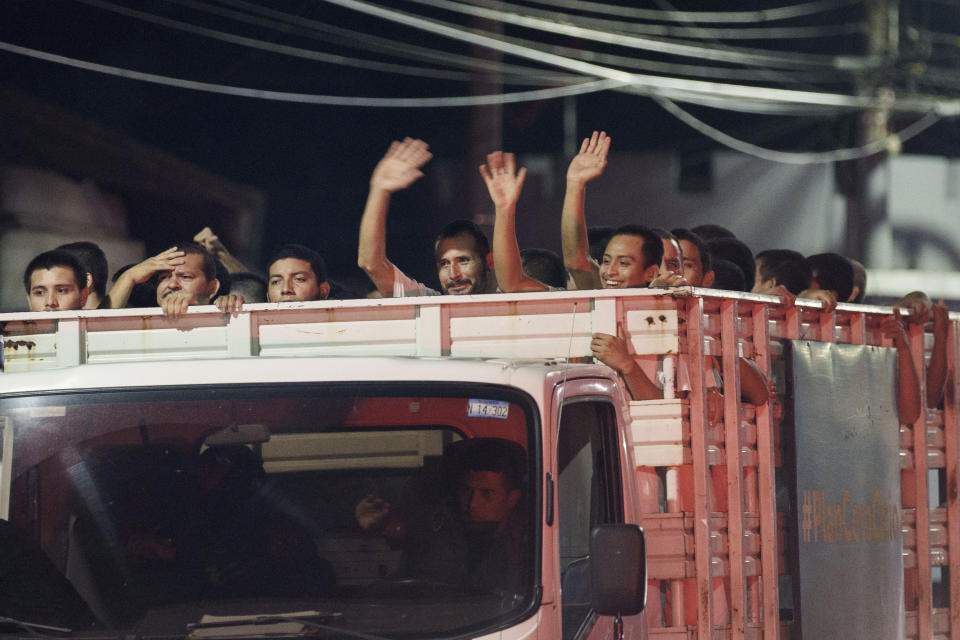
(589, 493)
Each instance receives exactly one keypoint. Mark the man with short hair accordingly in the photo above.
(859, 282)
(489, 476)
(297, 274)
(697, 261)
(831, 272)
(633, 253)
(462, 251)
(251, 286)
(55, 281)
(186, 275)
(736, 252)
(94, 261)
(671, 265)
(781, 267)
(194, 282)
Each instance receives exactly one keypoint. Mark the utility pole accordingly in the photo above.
(865, 182)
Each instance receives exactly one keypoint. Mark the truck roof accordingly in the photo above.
(528, 374)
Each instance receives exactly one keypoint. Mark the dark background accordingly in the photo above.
(313, 162)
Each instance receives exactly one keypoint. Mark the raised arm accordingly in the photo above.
(120, 292)
(397, 170)
(211, 242)
(937, 368)
(504, 183)
(908, 384)
(585, 166)
(614, 352)
(754, 387)
(921, 309)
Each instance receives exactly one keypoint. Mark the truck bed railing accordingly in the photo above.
(716, 542)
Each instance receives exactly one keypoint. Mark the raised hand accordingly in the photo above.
(592, 159)
(163, 261)
(503, 181)
(400, 166)
(371, 512)
(941, 319)
(209, 240)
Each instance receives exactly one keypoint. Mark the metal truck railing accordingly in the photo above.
(717, 535)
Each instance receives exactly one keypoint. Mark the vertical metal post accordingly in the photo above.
(951, 428)
(732, 443)
(701, 468)
(922, 509)
(766, 462)
(6, 466)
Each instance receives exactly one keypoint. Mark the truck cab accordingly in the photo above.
(169, 497)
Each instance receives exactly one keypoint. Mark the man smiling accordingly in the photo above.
(462, 251)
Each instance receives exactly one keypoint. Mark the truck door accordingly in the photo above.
(589, 492)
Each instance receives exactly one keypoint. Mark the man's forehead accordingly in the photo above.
(477, 477)
(625, 245)
(192, 263)
(55, 276)
(690, 251)
(291, 266)
(456, 245)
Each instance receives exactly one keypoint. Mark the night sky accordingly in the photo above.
(312, 161)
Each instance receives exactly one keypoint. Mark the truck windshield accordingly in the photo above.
(392, 509)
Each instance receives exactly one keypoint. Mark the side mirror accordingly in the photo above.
(618, 569)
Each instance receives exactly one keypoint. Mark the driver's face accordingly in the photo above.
(484, 498)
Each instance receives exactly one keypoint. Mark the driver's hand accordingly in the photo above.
(371, 512)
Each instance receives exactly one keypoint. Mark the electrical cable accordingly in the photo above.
(786, 157)
(715, 17)
(300, 26)
(342, 101)
(792, 60)
(770, 75)
(288, 22)
(672, 31)
(298, 52)
(656, 84)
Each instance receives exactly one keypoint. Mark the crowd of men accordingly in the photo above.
(202, 271)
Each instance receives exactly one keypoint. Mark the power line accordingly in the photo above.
(307, 98)
(304, 27)
(655, 84)
(786, 157)
(750, 57)
(715, 17)
(298, 52)
(674, 31)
